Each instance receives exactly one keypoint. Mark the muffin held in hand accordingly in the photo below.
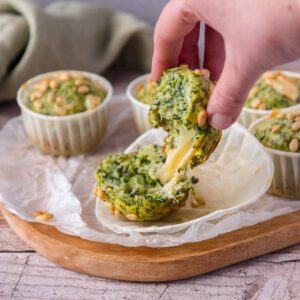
(62, 94)
(274, 90)
(181, 99)
(281, 131)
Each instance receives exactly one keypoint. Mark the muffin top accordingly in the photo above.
(63, 93)
(145, 91)
(274, 90)
(281, 131)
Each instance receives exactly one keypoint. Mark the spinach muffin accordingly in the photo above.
(129, 184)
(181, 98)
(145, 92)
(152, 183)
(281, 131)
(63, 94)
(274, 90)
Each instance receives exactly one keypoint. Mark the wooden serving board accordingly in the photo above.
(157, 264)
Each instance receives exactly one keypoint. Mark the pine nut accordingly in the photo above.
(195, 204)
(45, 217)
(53, 84)
(255, 103)
(297, 119)
(275, 128)
(201, 119)
(132, 217)
(38, 104)
(203, 73)
(43, 87)
(91, 101)
(117, 212)
(37, 213)
(184, 66)
(64, 76)
(59, 110)
(51, 97)
(97, 86)
(262, 106)
(296, 126)
(100, 194)
(294, 144)
(290, 115)
(60, 100)
(79, 81)
(281, 115)
(83, 89)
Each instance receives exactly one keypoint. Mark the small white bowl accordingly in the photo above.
(249, 115)
(65, 135)
(286, 179)
(140, 110)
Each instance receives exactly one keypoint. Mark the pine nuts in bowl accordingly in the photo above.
(65, 112)
(139, 93)
(280, 134)
(274, 90)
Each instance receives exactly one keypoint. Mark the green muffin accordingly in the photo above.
(281, 131)
(152, 183)
(64, 94)
(274, 90)
(131, 186)
(181, 98)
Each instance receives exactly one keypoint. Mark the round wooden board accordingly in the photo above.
(156, 264)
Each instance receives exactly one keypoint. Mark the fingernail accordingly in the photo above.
(221, 121)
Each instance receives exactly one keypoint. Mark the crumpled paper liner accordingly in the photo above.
(31, 181)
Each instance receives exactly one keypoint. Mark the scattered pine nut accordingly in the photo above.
(36, 213)
(45, 216)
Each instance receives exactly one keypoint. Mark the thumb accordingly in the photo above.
(230, 94)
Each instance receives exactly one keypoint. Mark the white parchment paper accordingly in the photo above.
(31, 181)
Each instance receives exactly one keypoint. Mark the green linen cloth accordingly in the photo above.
(66, 35)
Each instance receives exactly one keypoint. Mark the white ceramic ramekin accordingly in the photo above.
(286, 179)
(249, 115)
(140, 110)
(65, 135)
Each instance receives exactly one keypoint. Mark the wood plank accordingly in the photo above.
(9, 241)
(159, 264)
(30, 276)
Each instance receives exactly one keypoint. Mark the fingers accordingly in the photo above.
(190, 51)
(230, 94)
(176, 21)
(214, 54)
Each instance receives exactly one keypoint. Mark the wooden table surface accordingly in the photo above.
(24, 274)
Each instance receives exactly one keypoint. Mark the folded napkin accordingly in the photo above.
(66, 35)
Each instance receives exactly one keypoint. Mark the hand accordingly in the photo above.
(243, 39)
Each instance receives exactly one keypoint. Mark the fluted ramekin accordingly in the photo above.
(140, 110)
(65, 135)
(249, 115)
(286, 179)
